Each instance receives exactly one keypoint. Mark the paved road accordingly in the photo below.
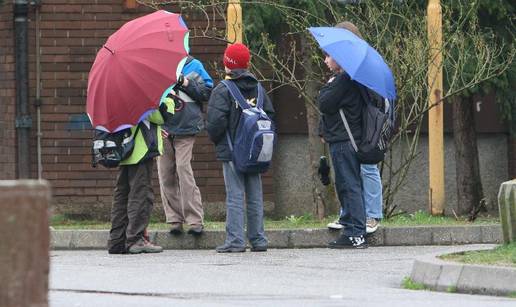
(282, 277)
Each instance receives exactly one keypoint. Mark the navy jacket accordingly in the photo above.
(224, 112)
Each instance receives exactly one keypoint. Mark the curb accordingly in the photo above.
(294, 238)
(447, 276)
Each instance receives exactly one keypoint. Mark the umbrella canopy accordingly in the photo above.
(133, 69)
(361, 61)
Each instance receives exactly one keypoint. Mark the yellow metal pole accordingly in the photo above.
(435, 114)
(234, 25)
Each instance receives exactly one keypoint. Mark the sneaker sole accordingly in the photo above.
(364, 246)
(194, 232)
(371, 230)
(231, 250)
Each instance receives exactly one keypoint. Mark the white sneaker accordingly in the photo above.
(335, 225)
(372, 225)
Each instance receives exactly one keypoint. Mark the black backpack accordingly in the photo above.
(109, 149)
(377, 127)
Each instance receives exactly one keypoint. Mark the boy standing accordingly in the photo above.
(133, 197)
(223, 116)
(179, 193)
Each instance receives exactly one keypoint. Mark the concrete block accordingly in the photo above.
(507, 210)
(24, 233)
(90, 239)
(407, 236)
(425, 272)
(487, 280)
(61, 239)
(444, 235)
(311, 237)
(278, 238)
(491, 234)
(448, 277)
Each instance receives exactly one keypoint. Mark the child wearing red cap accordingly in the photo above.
(223, 116)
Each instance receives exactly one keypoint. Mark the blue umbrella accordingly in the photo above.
(362, 62)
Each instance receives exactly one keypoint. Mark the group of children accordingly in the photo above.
(133, 196)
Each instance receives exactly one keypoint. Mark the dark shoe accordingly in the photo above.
(143, 246)
(229, 249)
(176, 229)
(196, 230)
(349, 242)
(259, 248)
(117, 249)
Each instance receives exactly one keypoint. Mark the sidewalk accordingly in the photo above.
(295, 238)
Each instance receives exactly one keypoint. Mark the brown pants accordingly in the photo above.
(179, 192)
(132, 205)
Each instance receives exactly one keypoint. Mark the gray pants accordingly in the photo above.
(179, 193)
(240, 187)
(132, 205)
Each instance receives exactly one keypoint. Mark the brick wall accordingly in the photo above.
(7, 95)
(71, 34)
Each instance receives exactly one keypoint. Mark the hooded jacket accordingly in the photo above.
(340, 93)
(189, 120)
(148, 142)
(224, 112)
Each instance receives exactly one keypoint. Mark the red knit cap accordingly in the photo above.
(237, 56)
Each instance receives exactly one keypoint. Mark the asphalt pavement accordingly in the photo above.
(279, 277)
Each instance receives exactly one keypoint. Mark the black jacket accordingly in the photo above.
(224, 112)
(341, 92)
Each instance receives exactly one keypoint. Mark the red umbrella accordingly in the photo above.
(133, 69)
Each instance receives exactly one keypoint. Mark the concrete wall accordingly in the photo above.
(291, 182)
(295, 196)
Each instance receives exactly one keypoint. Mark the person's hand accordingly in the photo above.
(164, 133)
(323, 141)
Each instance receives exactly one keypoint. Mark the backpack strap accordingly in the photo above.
(351, 138)
(236, 94)
(240, 99)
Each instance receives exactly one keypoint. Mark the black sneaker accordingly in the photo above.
(229, 249)
(195, 230)
(349, 242)
(176, 229)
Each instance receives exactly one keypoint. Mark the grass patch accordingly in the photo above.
(409, 284)
(290, 222)
(512, 295)
(503, 255)
(423, 218)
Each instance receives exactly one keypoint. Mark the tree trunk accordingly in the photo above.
(325, 202)
(469, 185)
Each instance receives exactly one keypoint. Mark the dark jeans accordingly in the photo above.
(132, 205)
(349, 188)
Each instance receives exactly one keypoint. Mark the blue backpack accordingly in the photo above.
(255, 135)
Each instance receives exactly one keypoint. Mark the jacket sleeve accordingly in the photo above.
(218, 114)
(156, 118)
(200, 83)
(331, 94)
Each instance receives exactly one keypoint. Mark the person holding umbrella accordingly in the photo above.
(371, 180)
(354, 64)
(126, 86)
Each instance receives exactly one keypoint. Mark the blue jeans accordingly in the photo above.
(240, 187)
(372, 190)
(349, 188)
